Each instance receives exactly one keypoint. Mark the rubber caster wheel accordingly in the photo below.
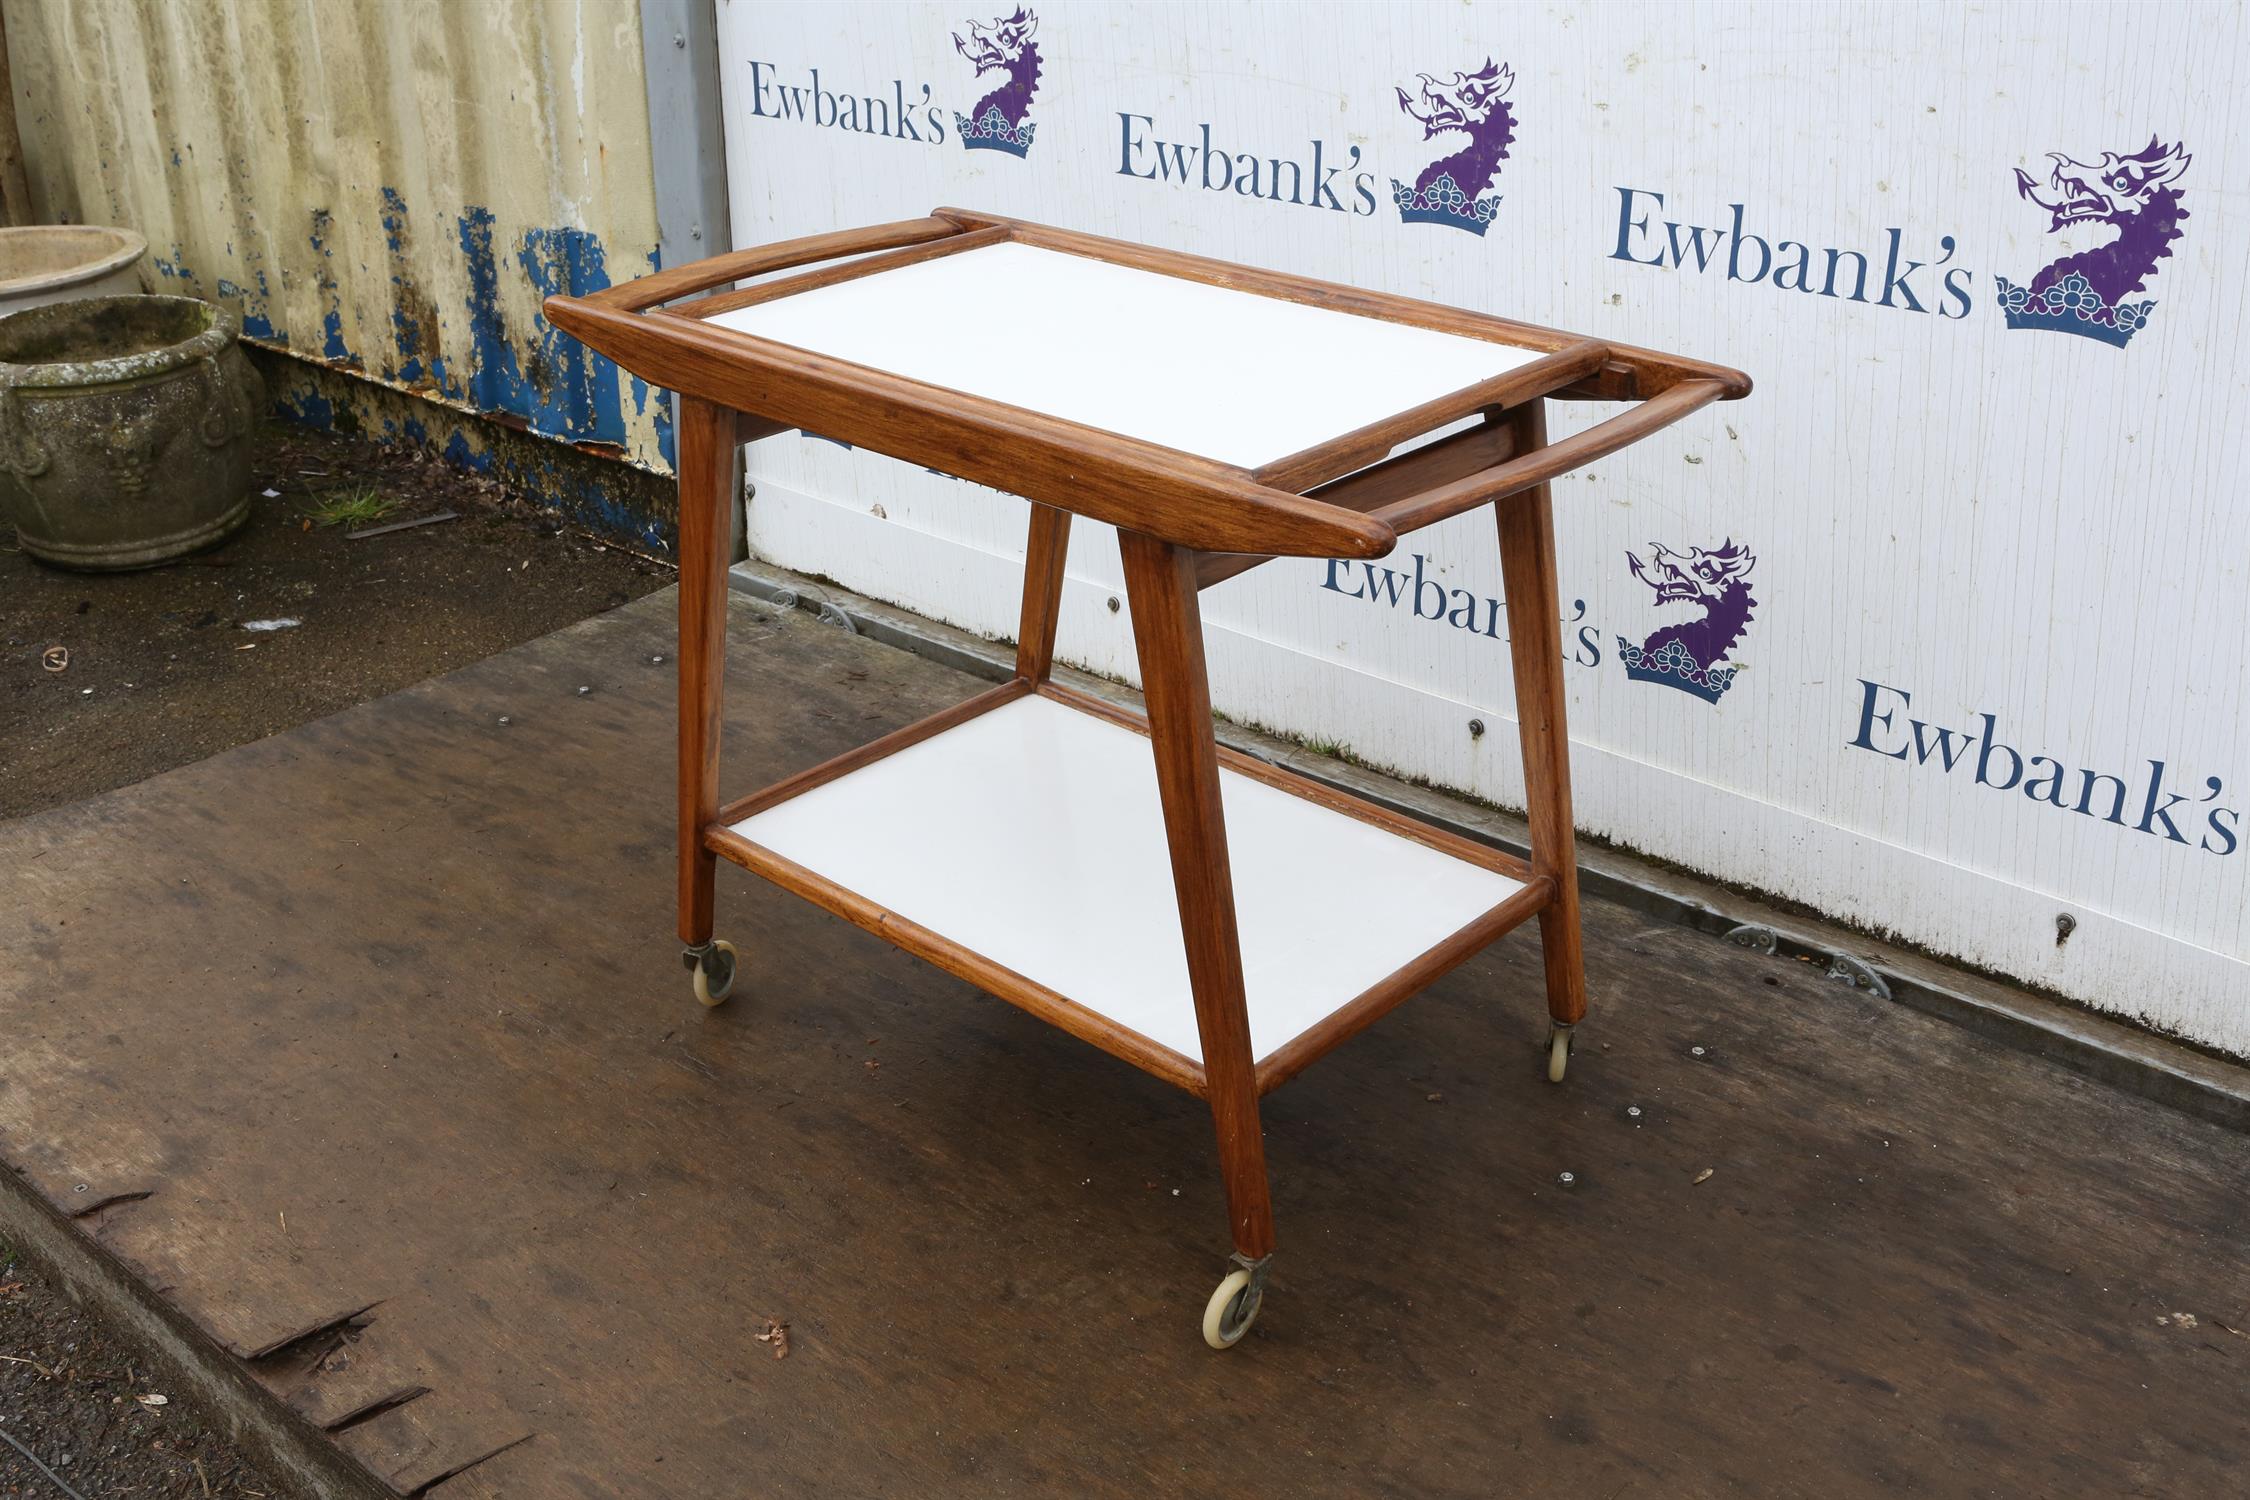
(1558, 1052)
(1232, 1309)
(714, 974)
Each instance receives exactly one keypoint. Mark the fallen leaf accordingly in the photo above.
(776, 1334)
(1703, 1176)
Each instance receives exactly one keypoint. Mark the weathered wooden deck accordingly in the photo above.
(365, 1056)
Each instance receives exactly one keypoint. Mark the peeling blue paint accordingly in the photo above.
(567, 390)
(309, 407)
(332, 322)
(394, 220)
(461, 455)
(254, 319)
(406, 329)
(643, 393)
(255, 323)
(560, 389)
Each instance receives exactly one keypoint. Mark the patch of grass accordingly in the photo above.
(351, 507)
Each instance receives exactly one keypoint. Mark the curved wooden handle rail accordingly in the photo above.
(1629, 374)
(645, 292)
(1542, 464)
(1180, 497)
(1341, 497)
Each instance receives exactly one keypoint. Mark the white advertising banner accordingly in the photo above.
(1941, 631)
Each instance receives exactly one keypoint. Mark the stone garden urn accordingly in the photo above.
(42, 263)
(125, 429)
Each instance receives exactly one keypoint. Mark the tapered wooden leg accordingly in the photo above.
(1168, 631)
(1527, 566)
(1043, 556)
(706, 447)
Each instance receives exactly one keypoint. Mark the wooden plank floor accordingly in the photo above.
(384, 1017)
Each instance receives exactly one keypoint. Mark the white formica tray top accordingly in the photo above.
(1233, 376)
(1032, 834)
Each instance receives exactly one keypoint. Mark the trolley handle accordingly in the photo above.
(644, 292)
(1542, 464)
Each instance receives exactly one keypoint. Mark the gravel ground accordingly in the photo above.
(87, 1407)
(106, 679)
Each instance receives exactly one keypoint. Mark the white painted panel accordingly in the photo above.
(1229, 375)
(1032, 834)
(2021, 531)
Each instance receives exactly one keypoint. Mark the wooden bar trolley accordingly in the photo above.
(1210, 918)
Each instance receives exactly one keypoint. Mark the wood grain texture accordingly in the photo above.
(659, 287)
(1375, 441)
(1629, 374)
(1045, 549)
(707, 495)
(1181, 498)
(1529, 469)
(749, 429)
(1168, 632)
(1449, 458)
(1535, 647)
(1099, 474)
(850, 270)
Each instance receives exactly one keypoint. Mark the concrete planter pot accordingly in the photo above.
(125, 429)
(43, 263)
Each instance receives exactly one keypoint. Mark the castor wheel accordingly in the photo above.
(1558, 1051)
(1234, 1306)
(712, 968)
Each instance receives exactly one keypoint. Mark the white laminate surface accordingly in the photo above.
(1230, 375)
(1032, 834)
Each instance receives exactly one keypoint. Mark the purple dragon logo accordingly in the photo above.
(1451, 190)
(1000, 122)
(2085, 293)
(1692, 656)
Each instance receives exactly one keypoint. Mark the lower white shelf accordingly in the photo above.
(1032, 834)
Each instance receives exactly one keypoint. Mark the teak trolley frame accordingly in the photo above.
(873, 350)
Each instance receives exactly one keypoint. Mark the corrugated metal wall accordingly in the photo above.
(388, 186)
